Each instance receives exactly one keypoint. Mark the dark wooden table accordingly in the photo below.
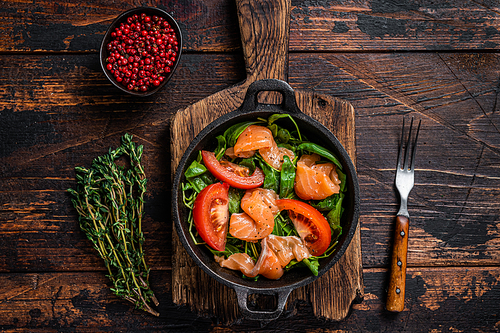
(436, 60)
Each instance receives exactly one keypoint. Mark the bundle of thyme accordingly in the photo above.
(109, 199)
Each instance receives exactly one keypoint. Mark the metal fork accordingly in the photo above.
(404, 184)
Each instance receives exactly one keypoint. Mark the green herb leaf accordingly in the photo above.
(235, 196)
(272, 176)
(221, 147)
(287, 178)
(321, 151)
(343, 180)
(326, 204)
(313, 264)
(334, 215)
(283, 135)
(195, 169)
(196, 175)
(277, 116)
(249, 163)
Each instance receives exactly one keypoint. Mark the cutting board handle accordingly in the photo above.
(264, 29)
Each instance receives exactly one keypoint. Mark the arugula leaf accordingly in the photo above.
(198, 184)
(312, 263)
(277, 116)
(321, 151)
(334, 215)
(221, 147)
(272, 176)
(283, 227)
(196, 175)
(326, 204)
(249, 163)
(283, 135)
(274, 130)
(228, 250)
(235, 196)
(343, 180)
(287, 177)
(195, 169)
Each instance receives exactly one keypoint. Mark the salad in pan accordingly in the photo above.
(266, 200)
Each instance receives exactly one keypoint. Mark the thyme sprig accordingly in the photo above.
(109, 199)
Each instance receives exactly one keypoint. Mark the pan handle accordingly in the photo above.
(262, 316)
(251, 102)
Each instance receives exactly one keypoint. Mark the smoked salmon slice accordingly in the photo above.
(260, 206)
(237, 262)
(253, 138)
(268, 264)
(274, 156)
(230, 153)
(260, 138)
(315, 181)
(243, 227)
(287, 248)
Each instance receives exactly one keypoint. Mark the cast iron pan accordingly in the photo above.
(314, 131)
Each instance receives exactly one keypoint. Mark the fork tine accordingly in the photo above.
(400, 154)
(415, 147)
(407, 148)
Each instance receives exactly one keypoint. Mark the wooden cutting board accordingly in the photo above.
(264, 27)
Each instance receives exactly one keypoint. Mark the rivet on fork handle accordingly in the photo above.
(397, 283)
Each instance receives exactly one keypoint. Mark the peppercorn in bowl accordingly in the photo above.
(141, 50)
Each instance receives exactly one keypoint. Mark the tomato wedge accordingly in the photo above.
(311, 225)
(230, 175)
(211, 215)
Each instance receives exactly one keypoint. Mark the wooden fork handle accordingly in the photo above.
(397, 282)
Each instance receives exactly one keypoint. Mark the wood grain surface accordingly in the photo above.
(438, 299)
(438, 61)
(361, 25)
